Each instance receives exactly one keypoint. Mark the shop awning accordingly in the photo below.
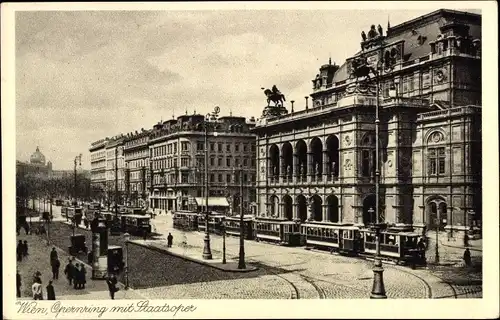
(213, 202)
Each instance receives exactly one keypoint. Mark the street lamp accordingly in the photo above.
(437, 241)
(207, 253)
(78, 159)
(241, 256)
(378, 289)
(127, 239)
(223, 226)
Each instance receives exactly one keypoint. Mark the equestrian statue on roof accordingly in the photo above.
(274, 95)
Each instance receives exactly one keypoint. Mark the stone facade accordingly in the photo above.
(136, 153)
(177, 151)
(425, 77)
(98, 165)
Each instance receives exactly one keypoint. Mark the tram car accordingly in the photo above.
(135, 224)
(232, 225)
(186, 220)
(214, 222)
(398, 246)
(345, 239)
(283, 232)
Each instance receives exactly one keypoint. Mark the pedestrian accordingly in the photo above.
(51, 293)
(36, 289)
(18, 284)
(25, 248)
(55, 264)
(83, 274)
(18, 229)
(68, 271)
(145, 234)
(467, 258)
(20, 250)
(170, 239)
(53, 255)
(111, 281)
(421, 249)
(76, 276)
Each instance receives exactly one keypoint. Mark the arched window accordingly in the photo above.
(436, 154)
(368, 156)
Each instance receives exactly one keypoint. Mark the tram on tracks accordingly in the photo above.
(186, 220)
(397, 246)
(233, 226)
(214, 222)
(283, 232)
(345, 239)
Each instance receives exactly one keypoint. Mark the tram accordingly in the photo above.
(91, 209)
(214, 222)
(74, 214)
(397, 246)
(345, 239)
(282, 232)
(185, 220)
(232, 225)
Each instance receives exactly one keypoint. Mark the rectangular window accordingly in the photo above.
(200, 146)
(219, 162)
(212, 177)
(245, 162)
(237, 162)
(245, 177)
(212, 146)
(184, 177)
(219, 146)
(245, 147)
(236, 147)
(220, 177)
(212, 161)
(365, 163)
(228, 147)
(175, 147)
(185, 146)
(228, 178)
(228, 161)
(441, 160)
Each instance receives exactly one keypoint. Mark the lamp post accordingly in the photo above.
(78, 159)
(127, 239)
(378, 289)
(241, 256)
(223, 225)
(437, 241)
(207, 253)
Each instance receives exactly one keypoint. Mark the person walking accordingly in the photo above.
(51, 293)
(170, 239)
(55, 264)
(18, 284)
(467, 257)
(68, 271)
(111, 281)
(25, 249)
(76, 276)
(36, 289)
(19, 251)
(83, 276)
(53, 255)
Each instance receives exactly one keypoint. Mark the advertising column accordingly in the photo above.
(99, 249)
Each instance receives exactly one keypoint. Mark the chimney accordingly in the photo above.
(307, 105)
(293, 101)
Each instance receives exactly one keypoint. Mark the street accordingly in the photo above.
(284, 272)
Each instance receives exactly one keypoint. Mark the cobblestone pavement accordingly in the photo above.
(39, 260)
(312, 274)
(301, 274)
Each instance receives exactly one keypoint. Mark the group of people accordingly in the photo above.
(76, 274)
(22, 250)
(36, 287)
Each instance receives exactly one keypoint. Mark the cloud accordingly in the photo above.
(85, 75)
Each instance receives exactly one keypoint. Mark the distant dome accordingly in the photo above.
(37, 157)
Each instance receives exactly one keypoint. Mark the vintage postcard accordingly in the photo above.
(250, 160)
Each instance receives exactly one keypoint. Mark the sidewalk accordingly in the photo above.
(39, 260)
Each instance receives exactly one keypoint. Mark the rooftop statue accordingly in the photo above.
(274, 95)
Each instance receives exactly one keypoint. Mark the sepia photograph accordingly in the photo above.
(189, 152)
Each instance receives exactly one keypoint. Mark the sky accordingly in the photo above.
(84, 75)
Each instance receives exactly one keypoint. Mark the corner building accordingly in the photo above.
(177, 163)
(319, 163)
(136, 155)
